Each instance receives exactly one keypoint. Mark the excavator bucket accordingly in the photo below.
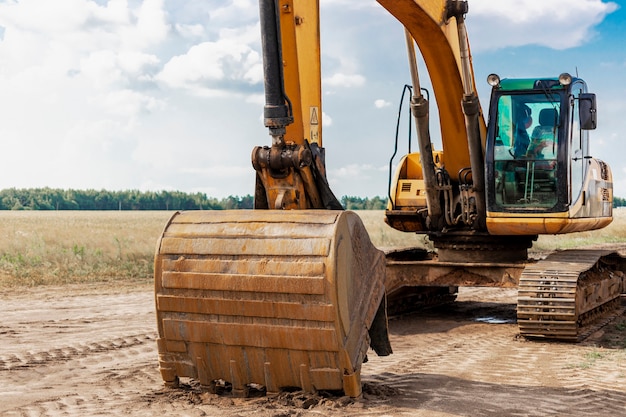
(280, 299)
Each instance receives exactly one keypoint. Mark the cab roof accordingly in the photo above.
(533, 83)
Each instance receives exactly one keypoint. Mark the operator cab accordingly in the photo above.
(537, 158)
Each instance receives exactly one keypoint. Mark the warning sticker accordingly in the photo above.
(314, 118)
(314, 122)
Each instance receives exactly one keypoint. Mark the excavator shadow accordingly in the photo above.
(422, 394)
(468, 309)
(477, 305)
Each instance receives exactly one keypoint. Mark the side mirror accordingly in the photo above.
(587, 111)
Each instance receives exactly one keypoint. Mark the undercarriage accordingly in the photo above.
(561, 297)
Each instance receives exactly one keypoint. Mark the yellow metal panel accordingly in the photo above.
(231, 218)
(251, 266)
(330, 378)
(230, 282)
(505, 215)
(252, 308)
(176, 346)
(530, 225)
(299, 21)
(410, 193)
(285, 246)
(255, 335)
(413, 166)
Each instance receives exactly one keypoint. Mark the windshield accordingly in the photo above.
(525, 151)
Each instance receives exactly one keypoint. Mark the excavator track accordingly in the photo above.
(277, 299)
(564, 296)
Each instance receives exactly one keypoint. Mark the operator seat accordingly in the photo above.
(545, 131)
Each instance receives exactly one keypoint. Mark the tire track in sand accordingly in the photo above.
(81, 355)
(442, 358)
(68, 353)
(97, 357)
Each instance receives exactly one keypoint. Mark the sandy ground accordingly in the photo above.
(91, 351)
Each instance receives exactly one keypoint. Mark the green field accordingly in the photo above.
(60, 247)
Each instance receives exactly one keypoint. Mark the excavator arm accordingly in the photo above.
(291, 172)
(290, 294)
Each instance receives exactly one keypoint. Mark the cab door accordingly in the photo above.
(578, 145)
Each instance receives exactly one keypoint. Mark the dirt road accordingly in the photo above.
(91, 351)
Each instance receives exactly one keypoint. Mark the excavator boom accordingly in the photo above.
(434, 25)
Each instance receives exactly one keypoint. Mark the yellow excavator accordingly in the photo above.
(292, 294)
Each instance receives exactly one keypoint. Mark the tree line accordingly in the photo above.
(60, 199)
(619, 202)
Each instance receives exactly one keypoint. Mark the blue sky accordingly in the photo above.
(167, 94)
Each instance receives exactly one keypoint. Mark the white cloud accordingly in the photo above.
(349, 4)
(344, 80)
(358, 179)
(360, 171)
(52, 18)
(236, 11)
(101, 68)
(220, 171)
(557, 24)
(258, 99)
(190, 31)
(127, 102)
(380, 103)
(190, 67)
(74, 81)
(326, 120)
(151, 27)
(205, 65)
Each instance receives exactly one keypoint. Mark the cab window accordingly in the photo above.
(525, 151)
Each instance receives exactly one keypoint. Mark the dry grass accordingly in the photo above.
(613, 233)
(384, 236)
(38, 248)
